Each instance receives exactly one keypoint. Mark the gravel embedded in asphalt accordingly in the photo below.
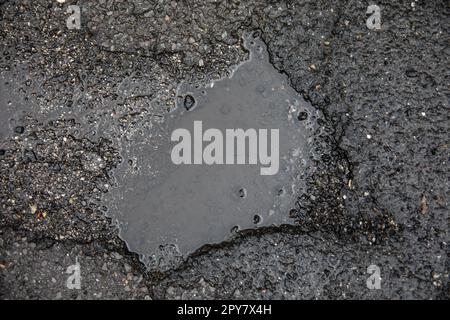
(378, 194)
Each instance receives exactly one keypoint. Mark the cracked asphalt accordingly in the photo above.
(72, 100)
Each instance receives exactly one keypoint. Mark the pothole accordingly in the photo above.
(168, 203)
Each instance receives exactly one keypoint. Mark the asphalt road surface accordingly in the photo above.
(72, 100)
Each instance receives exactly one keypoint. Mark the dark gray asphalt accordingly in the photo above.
(377, 195)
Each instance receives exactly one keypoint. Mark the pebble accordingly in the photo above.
(19, 129)
(302, 116)
(117, 255)
(189, 102)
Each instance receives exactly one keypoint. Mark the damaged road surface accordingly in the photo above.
(232, 161)
(113, 150)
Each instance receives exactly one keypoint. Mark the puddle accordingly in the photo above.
(165, 209)
(22, 99)
(10, 105)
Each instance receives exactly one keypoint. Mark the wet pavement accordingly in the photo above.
(75, 102)
(217, 185)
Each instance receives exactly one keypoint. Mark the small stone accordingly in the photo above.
(423, 205)
(19, 129)
(302, 116)
(42, 215)
(127, 267)
(30, 156)
(411, 73)
(33, 208)
(117, 255)
(189, 102)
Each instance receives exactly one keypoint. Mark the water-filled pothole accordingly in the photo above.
(185, 206)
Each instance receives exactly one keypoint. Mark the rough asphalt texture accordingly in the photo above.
(378, 193)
